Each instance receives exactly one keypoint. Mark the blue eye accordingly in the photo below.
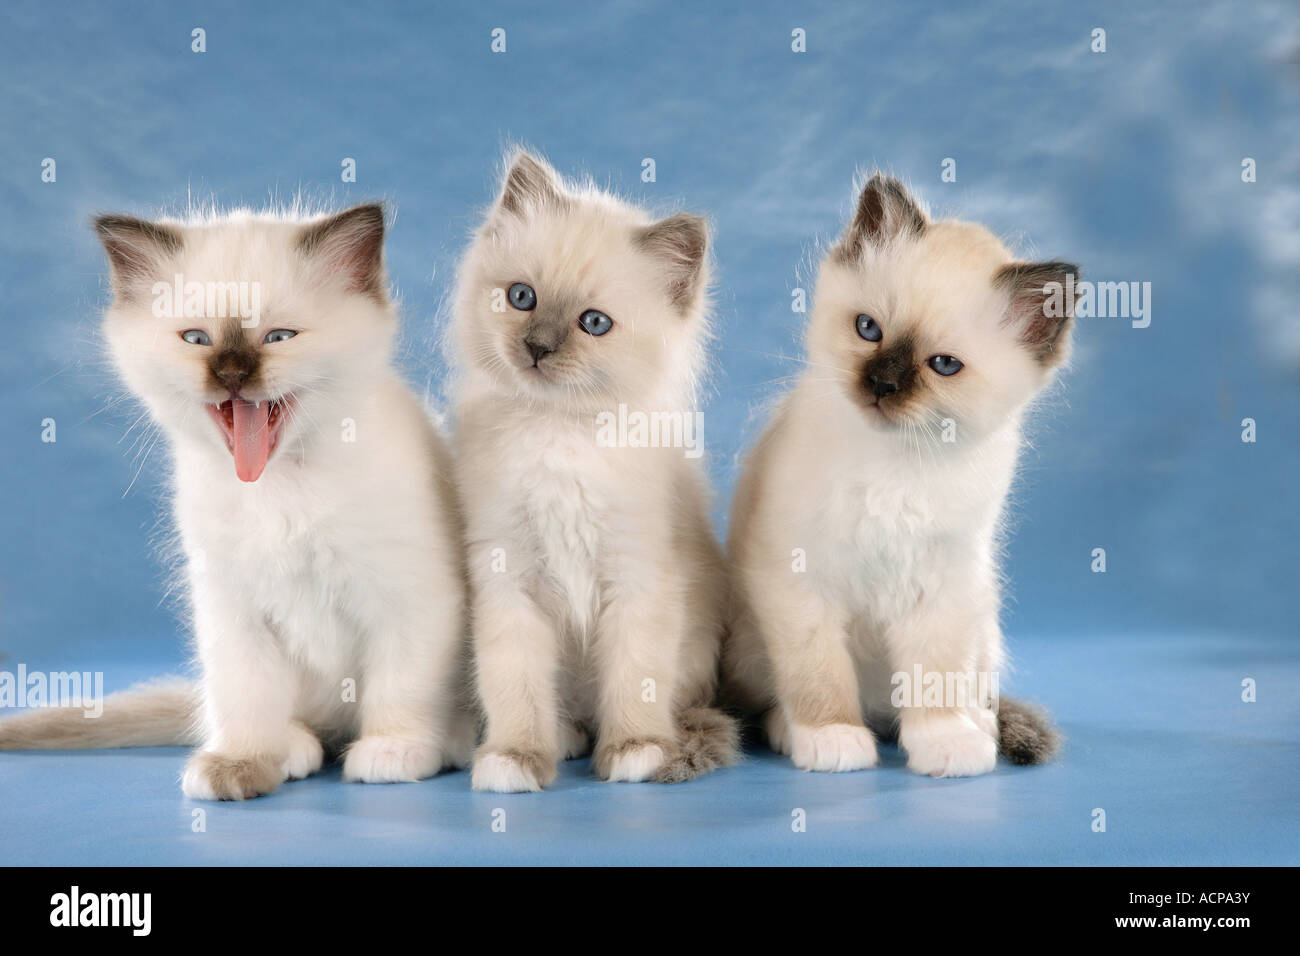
(595, 323)
(196, 337)
(522, 297)
(945, 364)
(870, 329)
(278, 335)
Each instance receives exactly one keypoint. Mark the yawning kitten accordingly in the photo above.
(313, 500)
(599, 592)
(864, 530)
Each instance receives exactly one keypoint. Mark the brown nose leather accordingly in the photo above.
(890, 370)
(235, 366)
(880, 387)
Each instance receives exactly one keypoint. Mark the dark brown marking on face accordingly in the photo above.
(353, 243)
(891, 371)
(135, 247)
(886, 210)
(888, 378)
(1044, 335)
(235, 364)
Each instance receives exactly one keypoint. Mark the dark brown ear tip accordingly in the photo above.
(1058, 266)
(116, 230)
(694, 223)
(373, 213)
(882, 180)
(108, 224)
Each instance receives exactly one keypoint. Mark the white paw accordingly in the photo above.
(305, 754)
(502, 774)
(196, 783)
(947, 745)
(636, 764)
(778, 731)
(383, 759)
(574, 741)
(833, 748)
(216, 776)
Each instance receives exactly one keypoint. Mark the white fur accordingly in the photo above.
(501, 774)
(636, 764)
(342, 562)
(898, 530)
(594, 568)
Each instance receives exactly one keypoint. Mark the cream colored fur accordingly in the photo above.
(862, 543)
(598, 588)
(328, 594)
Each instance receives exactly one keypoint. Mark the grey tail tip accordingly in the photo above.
(1025, 733)
(709, 739)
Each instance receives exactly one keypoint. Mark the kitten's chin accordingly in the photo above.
(879, 417)
(251, 431)
(541, 383)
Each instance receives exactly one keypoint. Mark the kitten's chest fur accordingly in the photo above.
(286, 553)
(565, 491)
(881, 536)
(893, 530)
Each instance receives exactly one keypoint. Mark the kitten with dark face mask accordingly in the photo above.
(865, 527)
(598, 590)
(313, 501)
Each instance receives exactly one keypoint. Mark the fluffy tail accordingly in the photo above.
(1025, 733)
(159, 714)
(709, 739)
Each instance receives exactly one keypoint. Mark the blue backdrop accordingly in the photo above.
(1128, 161)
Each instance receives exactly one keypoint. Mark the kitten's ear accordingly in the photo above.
(886, 210)
(136, 249)
(529, 182)
(1041, 303)
(680, 243)
(350, 244)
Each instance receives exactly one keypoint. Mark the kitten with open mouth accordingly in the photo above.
(251, 430)
(313, 501)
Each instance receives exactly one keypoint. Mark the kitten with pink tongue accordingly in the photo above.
(251, 434)
(325, 575)
(251, 438)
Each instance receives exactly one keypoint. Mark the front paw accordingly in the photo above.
(305, 754)
(947, 744)
(512, 771)
(832, 748)
(215, 776)
(631, 761)
(379, 758)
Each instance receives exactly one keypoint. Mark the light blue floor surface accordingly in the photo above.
(1159, 738)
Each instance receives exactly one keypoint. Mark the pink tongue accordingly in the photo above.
(252, 438)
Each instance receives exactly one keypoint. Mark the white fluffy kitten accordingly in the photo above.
(864, 530)
(314, 505)
(599, 591)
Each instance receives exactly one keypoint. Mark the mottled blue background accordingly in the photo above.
(1128, 162)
